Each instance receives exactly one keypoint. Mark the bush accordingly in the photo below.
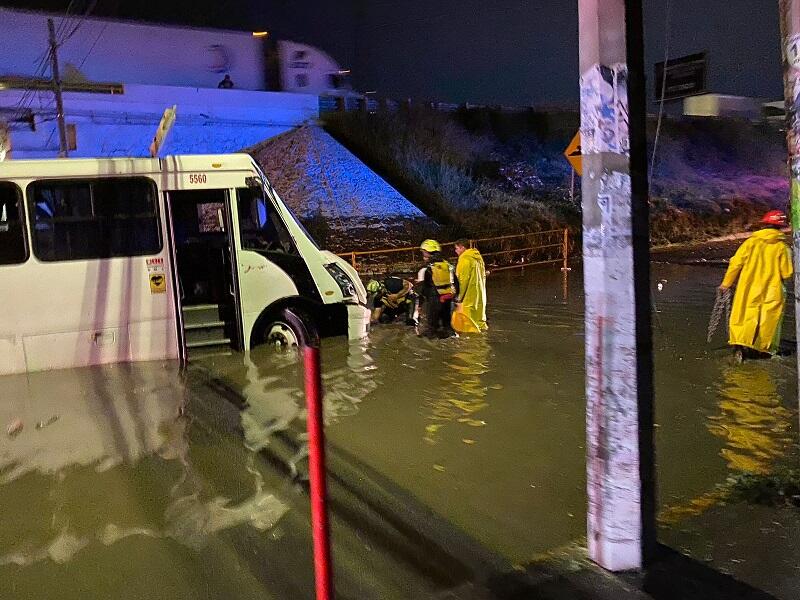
(481, 172)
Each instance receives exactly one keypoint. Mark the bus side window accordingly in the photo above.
(94, 218)
(260, 226)
(13, 249)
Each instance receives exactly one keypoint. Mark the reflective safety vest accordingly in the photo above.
(443, 278)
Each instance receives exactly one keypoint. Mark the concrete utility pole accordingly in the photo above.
(616, 257)
(62, 128)
(790, 48)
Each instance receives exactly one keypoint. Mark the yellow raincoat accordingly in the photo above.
(758, 269)
(470, 317)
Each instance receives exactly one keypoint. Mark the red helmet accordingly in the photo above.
(774, 217)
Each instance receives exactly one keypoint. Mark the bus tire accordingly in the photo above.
(281, 331)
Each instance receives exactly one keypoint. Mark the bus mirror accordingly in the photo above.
(253, 183)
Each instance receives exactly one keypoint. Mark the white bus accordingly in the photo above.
(114, 260)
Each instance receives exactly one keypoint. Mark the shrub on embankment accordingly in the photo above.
(490, 172)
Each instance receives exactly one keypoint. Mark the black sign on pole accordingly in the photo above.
(686, 76)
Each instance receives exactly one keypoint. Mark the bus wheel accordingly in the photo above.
(281, 334)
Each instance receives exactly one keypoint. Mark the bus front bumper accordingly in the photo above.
(357, 321)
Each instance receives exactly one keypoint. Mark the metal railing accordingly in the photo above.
(500, 253)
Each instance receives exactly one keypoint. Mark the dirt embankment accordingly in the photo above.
(482, 172)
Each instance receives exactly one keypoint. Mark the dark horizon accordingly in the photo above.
(521, 53)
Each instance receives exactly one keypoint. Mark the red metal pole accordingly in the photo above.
(316, 466)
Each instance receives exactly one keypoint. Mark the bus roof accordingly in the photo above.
(93, 167)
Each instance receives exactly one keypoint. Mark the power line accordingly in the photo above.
(97, 39)
(81, 21)
(64, 22)
(667, 31)
(28, 93)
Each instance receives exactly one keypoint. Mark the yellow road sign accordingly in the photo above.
(573, 154)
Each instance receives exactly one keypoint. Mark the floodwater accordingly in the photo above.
(158, 483)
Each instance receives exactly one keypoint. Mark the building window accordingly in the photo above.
(13, 249)
(301, 80)
(90, 219)
(299, 55)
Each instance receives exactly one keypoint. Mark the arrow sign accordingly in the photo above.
(573, 154)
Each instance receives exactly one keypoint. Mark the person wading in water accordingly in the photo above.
(758, 270)
(438, 287)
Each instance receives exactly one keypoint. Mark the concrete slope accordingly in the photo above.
(315, 175)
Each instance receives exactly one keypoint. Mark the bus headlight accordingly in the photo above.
(341, 279)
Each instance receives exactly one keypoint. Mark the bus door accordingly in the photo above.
(206, 277)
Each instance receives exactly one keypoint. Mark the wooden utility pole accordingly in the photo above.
(62, 128)
(619, 364)
(790, 49)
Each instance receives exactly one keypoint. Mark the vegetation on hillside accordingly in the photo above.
(490, 172)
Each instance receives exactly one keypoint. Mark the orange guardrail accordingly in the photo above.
(500, 253)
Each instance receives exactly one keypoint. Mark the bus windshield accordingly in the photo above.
(269, 192)
(260, 225)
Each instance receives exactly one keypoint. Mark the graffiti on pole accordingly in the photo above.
(604, 110)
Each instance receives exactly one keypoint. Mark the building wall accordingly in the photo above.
(308, 70)
(208, 120)
(721, 105)
(127, 52)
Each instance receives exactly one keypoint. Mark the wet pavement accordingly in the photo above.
(161, 484)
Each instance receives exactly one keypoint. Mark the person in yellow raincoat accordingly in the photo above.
(758, 269)
(470, 314)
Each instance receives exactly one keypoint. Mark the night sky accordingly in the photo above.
(510, 52)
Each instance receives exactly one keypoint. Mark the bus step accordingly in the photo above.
(200, 314)
(208, 331)
(208, 343)
(200, 307)
(210, 352)
(204, 325)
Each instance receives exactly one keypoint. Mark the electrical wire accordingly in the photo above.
(26, 99)
(97, 39)
(667, 35)
(64, 22)
(29, 93)
(81, 21)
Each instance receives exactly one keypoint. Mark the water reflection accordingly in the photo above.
(459, 395)
(752, 420)
(106, 416)
(273, 398)
(192, 519)
(348, 382)
(121, 460)
(753, 425)
(270, 385)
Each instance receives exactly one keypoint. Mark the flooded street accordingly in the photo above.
(143, 481)
(131, 481)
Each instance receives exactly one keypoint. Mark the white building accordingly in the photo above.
(119, 76)
(723, 105)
